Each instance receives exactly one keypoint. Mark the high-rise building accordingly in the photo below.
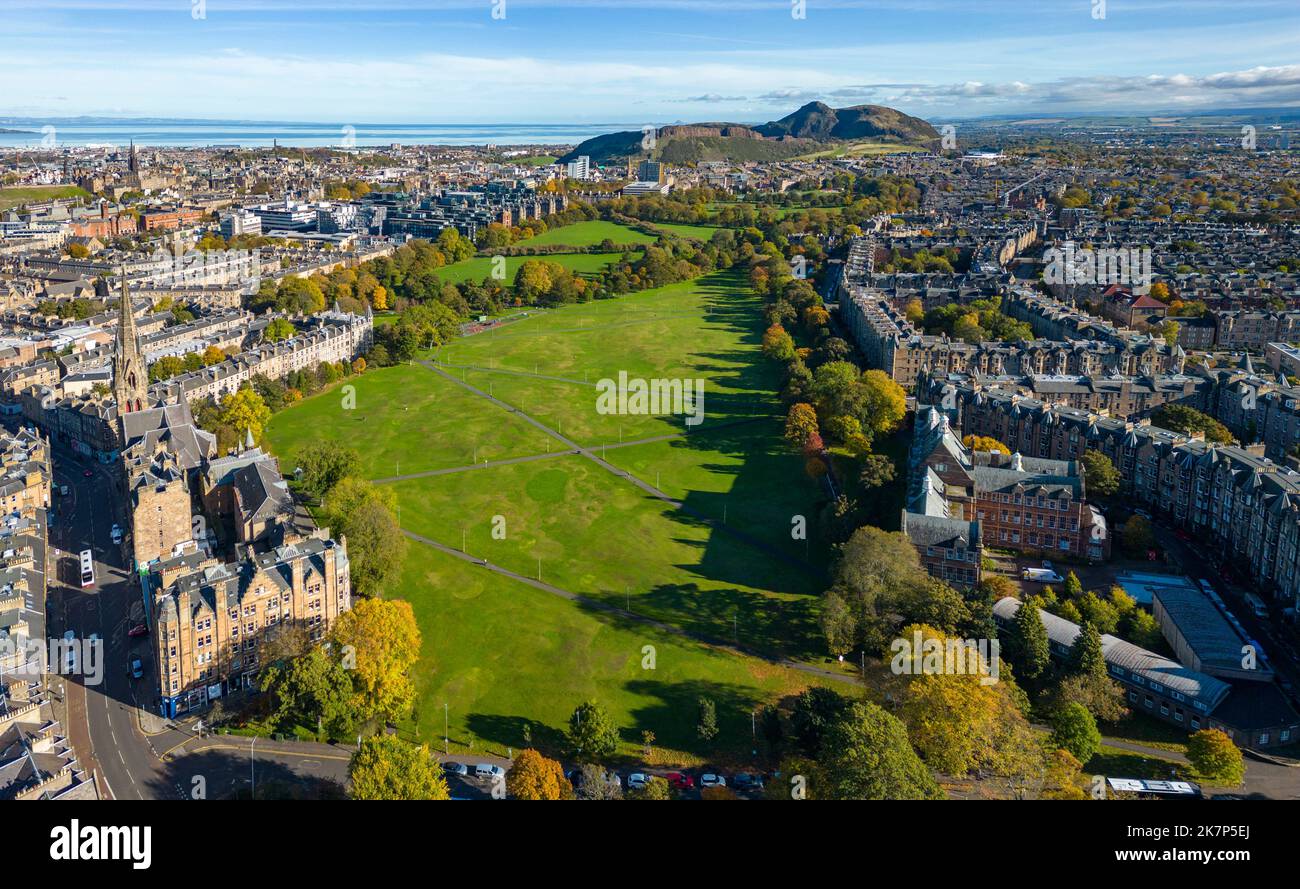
(652, 171)
(579, 168)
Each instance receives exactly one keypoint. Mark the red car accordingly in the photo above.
(88, 473)
(138, 630)
(680, 781)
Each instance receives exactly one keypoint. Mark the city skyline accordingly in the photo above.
(663, 61)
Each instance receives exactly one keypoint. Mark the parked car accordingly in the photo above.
(637, 780)
(116, 534)
(137, 668)
(680, 781)
(63, 490)
(709, 779)
(1041, 575)
(747, 781)
(456, 768)
(485, 770)
(138, 630)
(88, 473)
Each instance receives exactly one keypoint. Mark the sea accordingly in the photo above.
(98, 133)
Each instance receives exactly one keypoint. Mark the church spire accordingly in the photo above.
(129, 388)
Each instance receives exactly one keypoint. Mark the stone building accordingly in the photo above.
(215, 624)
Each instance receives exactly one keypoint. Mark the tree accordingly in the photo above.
(364, 514)
(212, 355)
(654, 788)
(877, 470)
(985, 443)
(1212, 753)
(874, 571)
(326, 463)
(279, 329)
(379, 641)
(1073, 588)
(1085, 657)
(800, 425)
(707, 728)
(815, 710)
(837, 391)
(1030, 651)
(868, 756)
(959, 715)
(592, 733)
(884, 403)
(777, 344)
(1099, 473)
(386, 767)
(313, 690)
(533, 776)
(1138, 536)
(1074, 730)
(1062, 779)
(1103, 697)
(245, 411)
(593, 782)
(1187, 420)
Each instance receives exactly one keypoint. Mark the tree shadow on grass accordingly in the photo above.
(673, 717)
(502, 734)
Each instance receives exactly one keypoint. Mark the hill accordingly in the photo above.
(810, 129)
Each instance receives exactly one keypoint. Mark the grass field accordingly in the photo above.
(586, 234)
(406, 419)
(501, 656)
(597, 535)
(480, 267)
(501, 653)
(699, 232)
(14, 197)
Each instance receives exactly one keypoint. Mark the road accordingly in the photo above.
(102, 717)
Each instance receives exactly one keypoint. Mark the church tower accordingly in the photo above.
(129, 379)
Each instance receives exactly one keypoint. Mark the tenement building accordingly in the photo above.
(216, 623)
(1233, 500)
(1027, 504)
(226, 563)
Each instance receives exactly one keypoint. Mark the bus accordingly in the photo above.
(87, 569)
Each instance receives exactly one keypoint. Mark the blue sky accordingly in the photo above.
(638, 61)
